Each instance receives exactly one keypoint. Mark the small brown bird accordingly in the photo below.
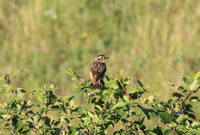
(97, 70)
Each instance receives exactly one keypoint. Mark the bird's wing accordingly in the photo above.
(103, 71)
(97, 71)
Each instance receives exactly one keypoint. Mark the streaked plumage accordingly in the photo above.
(97, 70)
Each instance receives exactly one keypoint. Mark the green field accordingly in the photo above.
(156, 41)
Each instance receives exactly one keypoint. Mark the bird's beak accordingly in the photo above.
(107, 57)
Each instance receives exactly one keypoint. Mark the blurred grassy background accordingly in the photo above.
(156, 41)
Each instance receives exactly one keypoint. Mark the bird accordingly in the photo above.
(98, 70)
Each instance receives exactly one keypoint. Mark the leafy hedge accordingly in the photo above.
(112, 110)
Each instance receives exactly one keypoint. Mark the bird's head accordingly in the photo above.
(101, 58)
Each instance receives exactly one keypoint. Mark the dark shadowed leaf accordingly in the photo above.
(140, 83)
(168, 132)
(177, 94)
(125, 80)
(165, 116)
(158, 130)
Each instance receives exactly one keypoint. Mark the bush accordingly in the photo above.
(114, 109)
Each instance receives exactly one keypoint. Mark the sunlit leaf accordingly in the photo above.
(72, 73)
(195, 124)
(181, 118)
(193, 132)
(53, 87)
(20, 93)
(121, 72)
(119, 104)
(132, 91)
(9, 89)
(194, 99)
(195, 85)
(113, 84)
(187, 80)
(197, 76)
(126, 98)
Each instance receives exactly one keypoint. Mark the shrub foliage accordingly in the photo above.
(114, 109)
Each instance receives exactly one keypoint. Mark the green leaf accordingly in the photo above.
(126, 98)
(72, 130)
(194, 99)
(125, 80)
(41, 95)
(72, 73)
(25, 130)
(46, 120)
(193, 132)
(53, 87)
(91, 114)
(136, 90)
(21, 128)
(98, 107)
(119, 104)
(6, 116)
(152, 115)
(181, 118)
(195, 124)
(57, 122)
(9, 89)
(197, 76)
(111, 91)
(121, 72)
(194, 86)
(113, 84)
(72, 103)
(158, 130)
(165, 116)
(140, 83)
(187, 80)
(168, 132)
(68, 98)
(20, 93)
(132, 91)
(63, 119)
(182, 129)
